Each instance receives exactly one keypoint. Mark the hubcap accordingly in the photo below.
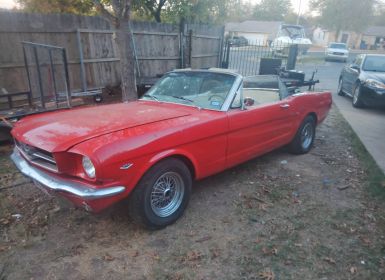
(355, 95)
(167, 194)
(307, 136)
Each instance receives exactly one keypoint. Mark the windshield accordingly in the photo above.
(292, 32)
(201, 89)
(337, 46)
(374, 63)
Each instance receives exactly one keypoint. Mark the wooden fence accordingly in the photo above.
(92, 53)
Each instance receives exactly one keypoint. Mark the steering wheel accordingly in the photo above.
(216, 96)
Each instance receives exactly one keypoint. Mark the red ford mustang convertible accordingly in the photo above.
(190, 124)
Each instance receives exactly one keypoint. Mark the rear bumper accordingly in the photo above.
(80, 191)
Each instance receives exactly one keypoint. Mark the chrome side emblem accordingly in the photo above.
(126, 166)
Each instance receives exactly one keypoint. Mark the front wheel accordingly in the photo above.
(357, 99)
(339, 89)
(162, 195)
(304, 138)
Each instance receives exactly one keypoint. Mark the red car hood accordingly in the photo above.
(60, 130)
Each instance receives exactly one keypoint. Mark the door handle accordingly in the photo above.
(284, 106)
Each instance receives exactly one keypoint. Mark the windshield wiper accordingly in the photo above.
(183, 98)
(151, 96)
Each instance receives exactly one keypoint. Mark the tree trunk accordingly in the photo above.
(157, 14)
(127, 62)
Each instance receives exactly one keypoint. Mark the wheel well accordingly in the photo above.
(185, 160)
(188, 163)
(314, 116)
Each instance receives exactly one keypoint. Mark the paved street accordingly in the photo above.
(367, 123)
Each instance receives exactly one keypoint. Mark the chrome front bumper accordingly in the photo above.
(79, 189)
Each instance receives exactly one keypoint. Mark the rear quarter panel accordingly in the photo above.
(318, 103)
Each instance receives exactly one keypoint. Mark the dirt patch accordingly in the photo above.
(276, 217)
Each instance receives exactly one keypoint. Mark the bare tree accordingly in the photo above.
(118, 14)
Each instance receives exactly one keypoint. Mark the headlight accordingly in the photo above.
(88, 167)
(374, 84)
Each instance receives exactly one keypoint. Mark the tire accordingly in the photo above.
(98, 98)
(304, 138)
(339, 89)
(357, 99)
(168, 181)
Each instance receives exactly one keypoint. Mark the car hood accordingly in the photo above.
(378, 76)
(61, 130)
(337, 50)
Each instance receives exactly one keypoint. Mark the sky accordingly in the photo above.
(8, 4)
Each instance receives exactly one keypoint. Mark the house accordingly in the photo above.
(256, 32)
(372, 38)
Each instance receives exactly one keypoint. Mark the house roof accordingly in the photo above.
(252, 26)
(375, 31)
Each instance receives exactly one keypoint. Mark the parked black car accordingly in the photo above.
(238, 41)
(364, 80)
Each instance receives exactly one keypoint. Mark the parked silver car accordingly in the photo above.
(337, 51)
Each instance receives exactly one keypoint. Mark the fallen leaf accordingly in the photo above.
(257, 241)
(3, 248)
(262, 206)
(214, 252)
(353, 269)
(266, 190)
(155, 256)
(329, 260)
(274, 251)
(205, 238)
(135, 254)
(194, 256)
(267, 274)
(108, 258)
(365, 240)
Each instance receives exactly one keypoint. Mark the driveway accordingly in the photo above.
(368, 124)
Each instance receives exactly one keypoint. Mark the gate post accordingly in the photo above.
(292, 57)
(226, 52)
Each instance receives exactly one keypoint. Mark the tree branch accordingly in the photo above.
(100, 7)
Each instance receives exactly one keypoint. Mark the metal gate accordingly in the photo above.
(258, 58)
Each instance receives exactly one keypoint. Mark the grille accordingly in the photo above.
(37, 156)
(338, 53)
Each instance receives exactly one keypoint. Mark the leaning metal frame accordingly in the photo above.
(66, 79)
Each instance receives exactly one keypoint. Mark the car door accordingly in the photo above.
(258, 129)
(351, 74)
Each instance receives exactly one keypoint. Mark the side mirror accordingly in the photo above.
(355, 67)
(248, 101)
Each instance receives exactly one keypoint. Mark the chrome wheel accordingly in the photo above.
(307, 136)
(339, 89)
(167, 194)
(357, 102)
(355, 95)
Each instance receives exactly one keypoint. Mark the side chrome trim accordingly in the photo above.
(82, 190)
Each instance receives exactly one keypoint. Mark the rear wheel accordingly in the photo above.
(162, 195)
(304, 138)
(357, 99)
(339, 89)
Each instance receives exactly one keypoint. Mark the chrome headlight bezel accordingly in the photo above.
(374, 84)
(88, 167)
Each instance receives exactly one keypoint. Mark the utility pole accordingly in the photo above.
(299, 11)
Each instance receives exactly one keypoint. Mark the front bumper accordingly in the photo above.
(339, 57)
(373, 97)
(82, 191)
